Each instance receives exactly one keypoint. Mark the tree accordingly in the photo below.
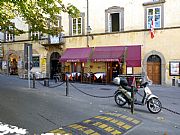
(37, 13)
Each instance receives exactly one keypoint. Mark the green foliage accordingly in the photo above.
(39, 14)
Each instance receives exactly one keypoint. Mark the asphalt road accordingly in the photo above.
(43, 109)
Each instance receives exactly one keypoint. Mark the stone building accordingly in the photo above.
(117, 24)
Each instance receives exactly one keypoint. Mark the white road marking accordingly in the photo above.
(9, 129)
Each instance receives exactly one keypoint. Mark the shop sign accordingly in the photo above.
(174, 68)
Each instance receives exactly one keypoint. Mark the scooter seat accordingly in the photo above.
(129, 89)
(143, 85)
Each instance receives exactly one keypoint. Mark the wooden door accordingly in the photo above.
(154, 72)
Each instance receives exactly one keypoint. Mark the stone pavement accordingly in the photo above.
(152, 124)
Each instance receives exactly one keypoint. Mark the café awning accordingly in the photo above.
(133, 56)
(108, 53)
(76, 55)
(116, 53)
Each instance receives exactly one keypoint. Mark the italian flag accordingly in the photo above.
(152, 29)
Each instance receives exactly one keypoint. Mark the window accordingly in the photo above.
(154, 10)
(35, 35)
(57, 23)
(154, 14)
(9, 36)
(35, 60)
(77, 25)
(114, 19)
(114, 22)
(55, 39)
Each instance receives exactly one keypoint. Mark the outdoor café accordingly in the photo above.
(101, 64)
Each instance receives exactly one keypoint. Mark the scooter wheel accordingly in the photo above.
(120, 99)
(154, 105)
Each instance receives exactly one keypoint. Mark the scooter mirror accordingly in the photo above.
(150, 82)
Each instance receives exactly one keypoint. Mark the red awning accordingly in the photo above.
(115, 53)
(76, 55)
(109, 53)
(133, 56)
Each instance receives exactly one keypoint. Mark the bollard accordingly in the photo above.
(173, 81)
(34, 80)
(67, 86)
(132, 99)
(132, 94)
(46, 82)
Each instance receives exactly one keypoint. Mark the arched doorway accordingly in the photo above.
(154, 68)
(55, 65)
(13, 69)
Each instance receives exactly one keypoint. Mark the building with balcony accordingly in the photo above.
(110, 37)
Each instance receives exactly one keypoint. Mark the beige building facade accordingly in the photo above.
(108, 23)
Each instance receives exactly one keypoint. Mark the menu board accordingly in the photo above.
(174, 68)
(129, 70)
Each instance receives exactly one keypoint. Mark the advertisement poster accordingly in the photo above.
(4, 64)
(174, 68)
(129, 70)
(43, 64)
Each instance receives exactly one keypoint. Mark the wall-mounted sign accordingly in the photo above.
(174, 68)
(129, 70)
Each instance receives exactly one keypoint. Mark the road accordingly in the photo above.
(43, 109)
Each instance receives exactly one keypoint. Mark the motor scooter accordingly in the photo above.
(123, 95)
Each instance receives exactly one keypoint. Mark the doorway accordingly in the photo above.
(154, 68)
(55, 65)
(113, 70)
(13, 68)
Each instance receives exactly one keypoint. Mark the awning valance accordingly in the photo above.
(105, 54)
(109, 53)
(76, 55)
(133, 56)
(116, 53)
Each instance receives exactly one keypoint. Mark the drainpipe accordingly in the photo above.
(88, 27)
